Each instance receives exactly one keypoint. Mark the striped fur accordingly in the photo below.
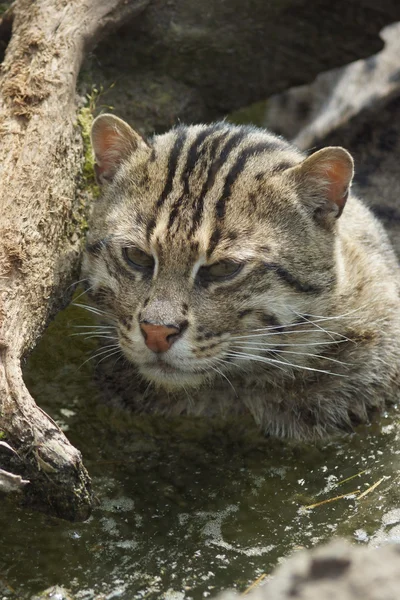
(305, 336)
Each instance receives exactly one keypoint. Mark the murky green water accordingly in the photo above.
(190, 507)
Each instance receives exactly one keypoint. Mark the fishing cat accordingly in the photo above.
(238, 275)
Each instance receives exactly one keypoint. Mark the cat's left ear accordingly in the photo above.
(324, 180)
(113, 142)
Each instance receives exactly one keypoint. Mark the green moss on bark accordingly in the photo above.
(85, 120)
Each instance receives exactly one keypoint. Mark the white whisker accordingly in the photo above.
(214, 368)
(83, 293)
(92, 309)
(76, 283)
(109, 356)
(93, 334)
(256, 358)
(118, 359)
(97, 327)
(189, 397)
(222, 361)
(284, 333)
(103, 350)
(315, 323)
(301, 344)
(322, 318)
(243, 356)
(149, 386)
(97, 335)
(94, 331)
(298, 328)
(277, 350)
(300, 324)
(105, 347)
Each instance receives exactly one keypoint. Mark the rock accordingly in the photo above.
(199, 61)
(306, 114)
(359, 108)
(54, 593)
(336, 571)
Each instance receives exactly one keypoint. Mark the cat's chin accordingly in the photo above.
(171, 378)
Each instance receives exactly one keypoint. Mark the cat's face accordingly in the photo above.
(209, 244)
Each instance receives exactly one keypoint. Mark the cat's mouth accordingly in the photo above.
(169, 376)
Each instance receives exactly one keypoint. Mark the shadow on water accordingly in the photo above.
(186, 507)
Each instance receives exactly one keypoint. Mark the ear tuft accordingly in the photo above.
(325, 178)
(113, 141)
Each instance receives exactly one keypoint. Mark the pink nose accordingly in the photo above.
(159, 338)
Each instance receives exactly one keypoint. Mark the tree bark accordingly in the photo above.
(43, 210)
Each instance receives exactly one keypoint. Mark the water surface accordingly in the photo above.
(186, 507)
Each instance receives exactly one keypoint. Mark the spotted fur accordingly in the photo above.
(305, 336)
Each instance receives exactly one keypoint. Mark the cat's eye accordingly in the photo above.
(137, 258)
(224, 269)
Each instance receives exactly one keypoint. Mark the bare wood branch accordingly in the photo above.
(11, 483)
(42, 209)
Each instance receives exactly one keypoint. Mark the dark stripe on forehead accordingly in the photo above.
(210, 176)
(238, 168)
(192, 159)
(299, 286)
(181, 134)
(195, 151)
(215, 165)
(230, 180)
(230, 145)
(172, 164)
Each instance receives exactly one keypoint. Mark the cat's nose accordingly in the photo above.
(160, 338)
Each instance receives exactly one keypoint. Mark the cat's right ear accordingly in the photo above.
(113, 141)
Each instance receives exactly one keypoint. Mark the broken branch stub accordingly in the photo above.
(43, 207)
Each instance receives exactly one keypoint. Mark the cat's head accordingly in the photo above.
(208, 243)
